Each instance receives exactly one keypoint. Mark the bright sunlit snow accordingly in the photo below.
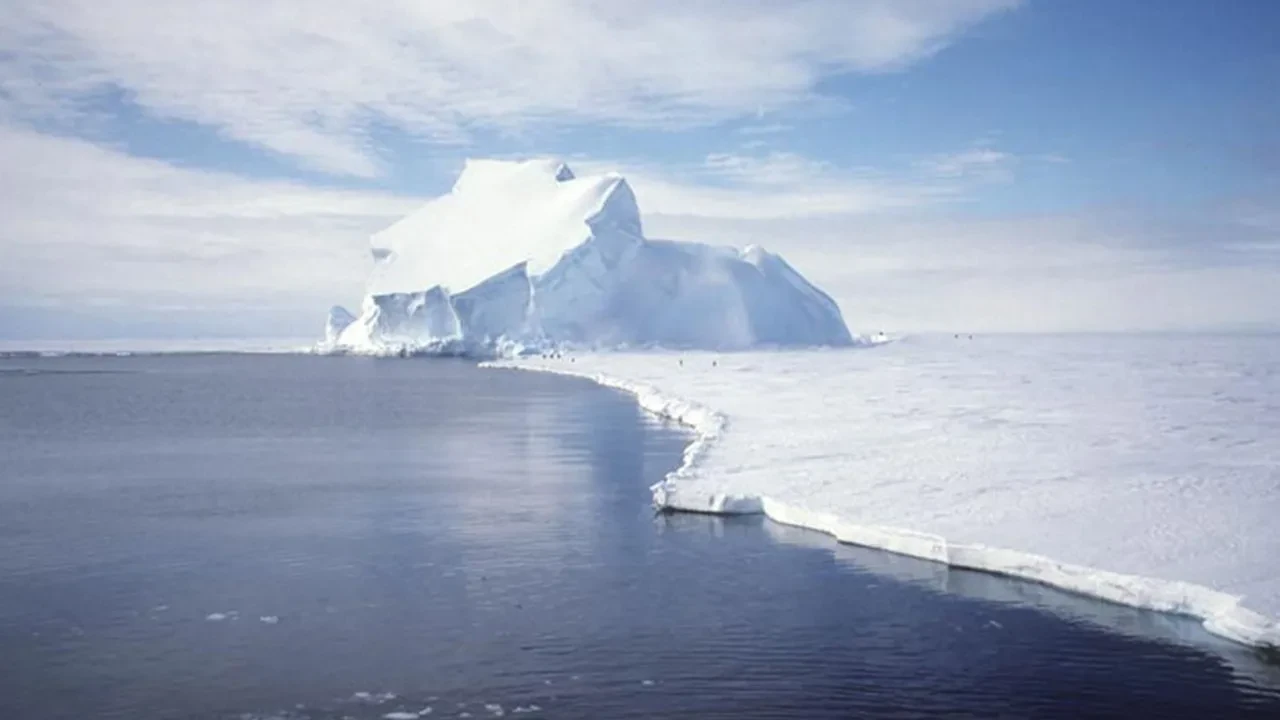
(527, 254)
(1142, 470)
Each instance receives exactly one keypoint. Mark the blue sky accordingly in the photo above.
(212, 170)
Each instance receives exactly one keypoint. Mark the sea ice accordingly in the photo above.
(1140, 470)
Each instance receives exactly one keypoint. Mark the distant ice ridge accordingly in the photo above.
(1132, 477)
(525, 255)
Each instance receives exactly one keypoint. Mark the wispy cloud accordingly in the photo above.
(976, 163)
(84, 226)
(763, 129)
(772, 169)
(767, 186)
(754, 183)
(1087, 271)
(309, 80)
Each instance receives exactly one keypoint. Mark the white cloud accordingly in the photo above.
(773, 169)
(764, 129)
(770, 185)
(1086, 271)
(85, 226)
(308, 80)
(978, 163)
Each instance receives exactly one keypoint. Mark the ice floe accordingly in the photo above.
(1138, 470)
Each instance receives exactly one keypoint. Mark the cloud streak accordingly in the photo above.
(86, 226)
(1086, 271)
(977, 163)
(310, 80)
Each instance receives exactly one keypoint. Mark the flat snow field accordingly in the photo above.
(1140, 469)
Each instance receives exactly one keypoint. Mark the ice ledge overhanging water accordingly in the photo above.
(1221, 613)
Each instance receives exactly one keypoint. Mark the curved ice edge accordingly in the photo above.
(706, 424)
(1221, 613)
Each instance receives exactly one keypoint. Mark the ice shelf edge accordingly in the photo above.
(1221, 613)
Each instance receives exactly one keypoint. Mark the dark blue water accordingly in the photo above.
(309, 537)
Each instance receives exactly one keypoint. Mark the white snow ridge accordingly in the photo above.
(525, 255)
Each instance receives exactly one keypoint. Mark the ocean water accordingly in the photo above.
(251, 536)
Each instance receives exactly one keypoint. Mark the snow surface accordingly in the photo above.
(527, 255)
(1143, 470)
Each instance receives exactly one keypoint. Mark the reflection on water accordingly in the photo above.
(298, 537)
(1141, 624)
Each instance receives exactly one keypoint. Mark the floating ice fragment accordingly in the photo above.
(401, 715)
(269, 619)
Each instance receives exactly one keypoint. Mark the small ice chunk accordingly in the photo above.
(269, 619)
(219, 617)
(494, 709)
(646, 683)
(401, 715)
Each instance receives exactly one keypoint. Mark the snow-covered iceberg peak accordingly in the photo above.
(529, 254)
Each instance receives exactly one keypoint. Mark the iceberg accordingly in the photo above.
(528, 255)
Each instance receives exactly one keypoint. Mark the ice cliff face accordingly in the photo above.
(525, 254)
